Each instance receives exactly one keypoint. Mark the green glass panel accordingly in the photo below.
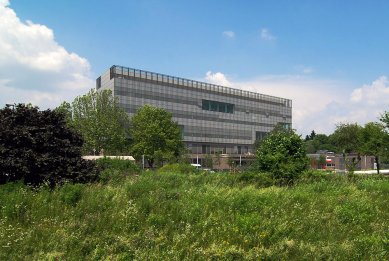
(214, 106)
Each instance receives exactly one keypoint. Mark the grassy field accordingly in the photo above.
(208, 216)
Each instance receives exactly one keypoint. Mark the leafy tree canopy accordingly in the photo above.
(283, 154)
(207, 161)
(385, 119)
(100, 120)
(155, 135)
(311, 136)
(319, 142)
(347, 137)
(375, 141)
(37, 147)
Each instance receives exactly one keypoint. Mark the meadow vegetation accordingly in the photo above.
(167, 215)
(279, 210)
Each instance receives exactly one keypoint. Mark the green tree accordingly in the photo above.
(282, 154)
(66, 109)
(385, 119)
(322, 161)
(37, 147)
(347, 137)
(218, 158)
(98, 117)
(319, 142)
(208, 161)
(231, 163)
(155, 135)
(374, 142)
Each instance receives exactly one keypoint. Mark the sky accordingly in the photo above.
(330, 57)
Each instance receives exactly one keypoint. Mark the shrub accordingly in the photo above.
(178, 168)
(37, 147)
(118, 164)
(259, 179)
(71, 193)
(311, 175)
(282, 154)
(112, 176)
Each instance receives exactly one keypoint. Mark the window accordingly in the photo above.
(217, 106)
(181, 127)
(206, 149)
(98, 83)
(206, 105)
(222, 107)
(260, 135)
(230, 108)
(214, 106)
(286, 126)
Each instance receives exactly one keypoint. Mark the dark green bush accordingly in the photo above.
(37, 147)
(178, 168)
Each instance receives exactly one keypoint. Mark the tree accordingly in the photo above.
(385, 119)
(208, 161)
(37, 147)
(155, 135)
(282, 154)
(218, 158)
(319, 142)
(347, 137)
(231, 163)
(374, 140)
(311, 136)
(322, 161)
(98, 117)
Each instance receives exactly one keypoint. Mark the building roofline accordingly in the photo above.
(159, 77)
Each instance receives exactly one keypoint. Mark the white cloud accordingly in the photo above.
(229, 34)
(34, 67)
(266, 35)
(320, 104)
(217, 78)
(309, 97)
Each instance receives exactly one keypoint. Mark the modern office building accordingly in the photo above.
(212, 118)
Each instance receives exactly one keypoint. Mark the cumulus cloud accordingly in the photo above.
(266, 35)
(229, 34)
(34, 67)
(217, 78)
(320, 104)
(370, 100)
(360, 105)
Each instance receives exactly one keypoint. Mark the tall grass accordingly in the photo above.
(206, 216)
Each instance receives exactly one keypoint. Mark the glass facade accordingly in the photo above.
(212, 118)
(217, 106)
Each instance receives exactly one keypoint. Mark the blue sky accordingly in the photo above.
(330, 57)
